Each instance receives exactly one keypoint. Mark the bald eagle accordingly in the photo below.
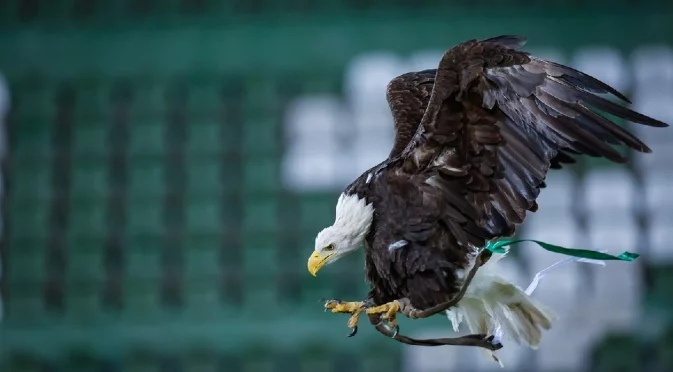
(474, 140)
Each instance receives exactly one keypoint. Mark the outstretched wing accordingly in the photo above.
(496, 120)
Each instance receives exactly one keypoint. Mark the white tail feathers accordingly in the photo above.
(491, 301)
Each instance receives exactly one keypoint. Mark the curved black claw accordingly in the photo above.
(354, 331)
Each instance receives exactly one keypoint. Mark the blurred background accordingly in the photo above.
(167, 164)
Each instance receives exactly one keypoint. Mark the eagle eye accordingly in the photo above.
(329, 247)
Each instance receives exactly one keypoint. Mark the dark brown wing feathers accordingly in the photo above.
(408, 97)
(498, 119)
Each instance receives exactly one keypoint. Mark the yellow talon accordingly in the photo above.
(353, 308)
(388, 310)
(343, 307)
(388, 315)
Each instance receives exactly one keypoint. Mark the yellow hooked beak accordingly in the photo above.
(317, 261)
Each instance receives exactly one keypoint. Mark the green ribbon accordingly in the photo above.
(497, 247)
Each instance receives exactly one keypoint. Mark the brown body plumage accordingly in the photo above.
(474, 141)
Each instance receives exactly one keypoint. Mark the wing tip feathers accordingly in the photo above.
(508, 41)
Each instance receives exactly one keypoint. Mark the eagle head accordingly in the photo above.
(351, 225)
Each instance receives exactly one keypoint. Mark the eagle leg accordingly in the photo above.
(353, 308)
(417, 314)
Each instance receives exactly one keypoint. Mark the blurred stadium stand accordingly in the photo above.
(169, 163)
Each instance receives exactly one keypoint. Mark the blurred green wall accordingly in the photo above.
(146, 225)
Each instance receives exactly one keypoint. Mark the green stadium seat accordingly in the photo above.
(261, 174)
(90, 178)
(92, 140)
(203, 298)
(86, 258)
(35, 100)
(260, 94)
(93, 99)
(205, 139)
(203, 215)
(262, 137)
(260, 214)
(147, 138)
(145, 217)
(143, 256)
(29, 219)
(25, 304)
(204, 178)
(147, 178)
(30, 181)
(142, 299)
(83, 300)
(149, 101)
(31, 140)
(88, 218)
(27, 260)
(203, 256)
(205, 98)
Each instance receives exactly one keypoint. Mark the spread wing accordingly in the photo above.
(408, 96)
(495, 121)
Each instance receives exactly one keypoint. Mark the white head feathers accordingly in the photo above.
(353, 220)
(351, 210)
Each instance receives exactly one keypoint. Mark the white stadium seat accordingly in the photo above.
(608, 189)
(558, 194)
(604, 63)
